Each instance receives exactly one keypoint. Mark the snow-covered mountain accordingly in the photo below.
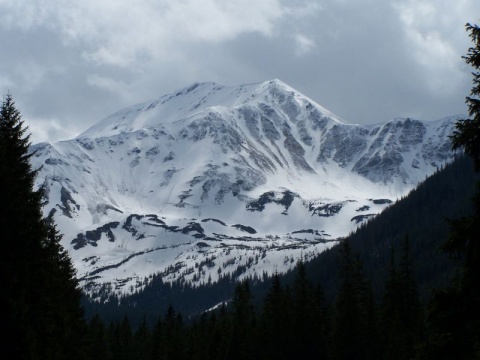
(214, 180)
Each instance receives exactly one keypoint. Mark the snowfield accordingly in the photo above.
(213, 180)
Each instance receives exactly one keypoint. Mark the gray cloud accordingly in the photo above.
(70, 63)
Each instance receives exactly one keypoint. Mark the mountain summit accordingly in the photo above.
(192, 102)
(214, 181)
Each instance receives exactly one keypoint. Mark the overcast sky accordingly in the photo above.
(70, 63)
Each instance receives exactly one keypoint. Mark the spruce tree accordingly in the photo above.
(391, 322)
(307, 317)
(354, 323)
(275, 323)
(98, 341)
(346, 319)
(243, 324)
(467, 132)
(43, 318)
(411, 314)
(401, 314)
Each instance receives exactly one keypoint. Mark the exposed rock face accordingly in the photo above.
(217, 175)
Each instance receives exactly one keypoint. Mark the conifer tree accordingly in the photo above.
(20, 222)
(275, 324)
(121, 339)
(199, 338)
(353, 326)
(307, 316)
(57, 298)
(98, 341)
(467, 132)
(41, 303)
(158, 341)
(222, 333)
(410, 304)
(390, 314)
(401, 314)
(346, 321)
(243, 325)
(177, 340)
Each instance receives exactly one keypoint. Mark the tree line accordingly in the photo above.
(293, 321)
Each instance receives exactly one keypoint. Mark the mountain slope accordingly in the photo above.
(420, 215)
(212, 179)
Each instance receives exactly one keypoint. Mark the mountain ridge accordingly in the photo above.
(211, 179)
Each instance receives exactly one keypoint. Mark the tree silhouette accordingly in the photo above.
(43, 317)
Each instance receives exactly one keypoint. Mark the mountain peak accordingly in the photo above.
(197, 97)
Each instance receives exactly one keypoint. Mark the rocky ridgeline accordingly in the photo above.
(225, 174)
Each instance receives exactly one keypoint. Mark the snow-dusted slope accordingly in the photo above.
(214, 180)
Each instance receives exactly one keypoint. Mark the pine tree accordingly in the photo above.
(98, 341)
(172, 336)
(57, 299)
(222, 334)
(390, 314)
(43, 318)
(142, 341)
(199, 338)
(158, 341)
(400, 309)
(354, 323)
(410, 314)
(345, 344)
(275, 324)
(307, 316)
(121, 339)
(243, 324)
(467, 132)
(20, 221)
